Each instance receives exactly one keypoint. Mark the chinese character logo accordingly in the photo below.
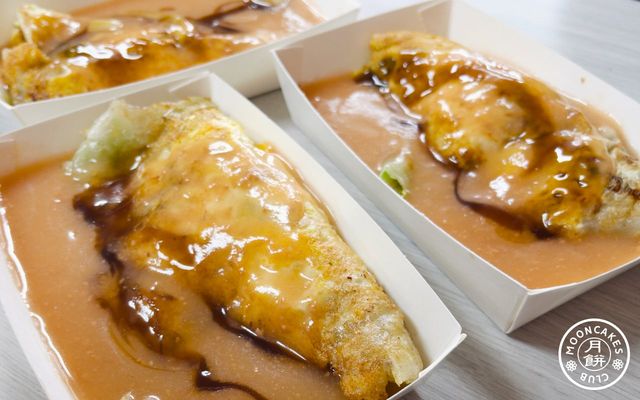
(594, 354)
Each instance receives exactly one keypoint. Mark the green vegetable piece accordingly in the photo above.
(396, 173)
(114, 141)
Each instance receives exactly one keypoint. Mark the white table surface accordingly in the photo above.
(604, 37)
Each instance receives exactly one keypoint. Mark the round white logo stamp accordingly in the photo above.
(594, 354)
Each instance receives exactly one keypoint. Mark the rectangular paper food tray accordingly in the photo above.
(251, 72)
(434, 330)
(507, 302)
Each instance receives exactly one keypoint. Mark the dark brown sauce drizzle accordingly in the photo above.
(222, 319)
(205, 382)
(107, 208)
(498, 215)
(215, 19)
(213, 22)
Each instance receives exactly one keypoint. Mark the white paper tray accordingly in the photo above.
(434, 330)
(507, 302)
(251, 72)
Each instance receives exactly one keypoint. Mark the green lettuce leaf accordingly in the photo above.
(114, 141)
(396, 172)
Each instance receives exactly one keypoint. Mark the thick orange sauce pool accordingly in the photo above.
(60, 265)
(361, 117)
